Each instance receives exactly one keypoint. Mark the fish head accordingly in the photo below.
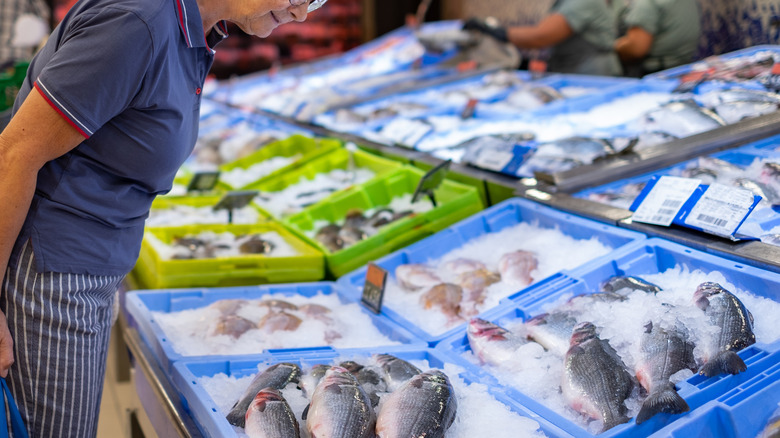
(480, 328)
(704, 291)
(263, 397)
(582, 332)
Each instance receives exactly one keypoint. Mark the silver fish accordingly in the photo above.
(371, 381)
(493, 344)
(681, 119)
(664, 352)
(621, 282)
(276, 376)
(340, 408)
(552, 330)
(736, 329)
(269, 416)
(595, 381)
(396, 370)
(425, 406)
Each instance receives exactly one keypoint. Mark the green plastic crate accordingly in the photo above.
(152, 272)
(10, 82)
(337, 159)
(477, 183)
(308, 147)
(168, 202)
(455, 201)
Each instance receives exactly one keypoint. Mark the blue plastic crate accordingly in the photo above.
(676, 72)
(212, 422)
(505, 214)
(701, 393)
(141, 304)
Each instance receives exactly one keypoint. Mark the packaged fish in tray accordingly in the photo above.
(274, 159)
(225, 255)
(291, 319)
(434, 286)
(289, 193)
(378, 217)
(673, 332)
(747, 64)
(377, 389)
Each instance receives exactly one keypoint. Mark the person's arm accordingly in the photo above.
(35, 135)
(552, 30)
(634, 45)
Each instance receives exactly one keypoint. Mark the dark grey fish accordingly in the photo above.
(276, 376)
(552, 330)
(329, 236)
(425, 406)
(396, 371)
(736, 329)
(620, 282)
(595, 381)
(371, 381)
(664, 352)
(340, 408)
(309, 381)
(269, 416)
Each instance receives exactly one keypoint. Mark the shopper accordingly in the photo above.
(580, 34)
(107, 114)
(660, 34)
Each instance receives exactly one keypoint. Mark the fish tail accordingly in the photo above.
(615, 420)
(725, 362)
(667, 401)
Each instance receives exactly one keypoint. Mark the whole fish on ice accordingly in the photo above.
(276, 376)
(552, 330)
(495, 345)
(269, 416)
(681, 119)
(396, 370)
(630, 283)
(340, 408)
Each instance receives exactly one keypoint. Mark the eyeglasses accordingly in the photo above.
(313, 4)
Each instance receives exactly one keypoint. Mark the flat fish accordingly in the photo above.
(516, 267)
(463, 265)
(416, 276)
(270, 416)
(233, 325)
(396, 370)
(277, 305)
(445, 296)
(664, 352)
(493, 344)
(276, 376)
(596, 382)
(275, 321)
(552, 330)
(340, 408)
(622, 282)
(425, 406)
(735, 322)
(228, 306)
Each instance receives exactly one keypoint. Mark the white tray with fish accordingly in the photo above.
(477, 263)
(678, 328)
(443, 396)
(236, 321)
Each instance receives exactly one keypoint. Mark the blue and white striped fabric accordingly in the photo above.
(60, 324)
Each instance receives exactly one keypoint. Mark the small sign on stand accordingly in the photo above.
(234, 200)
(374, 288)
(431, 181)
(203, 181)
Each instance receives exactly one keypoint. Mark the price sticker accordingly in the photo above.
(431, 181)
(203, 181)
(406, 132)
(721, 209)
(374, 288)
(663, 202)
(235, 200)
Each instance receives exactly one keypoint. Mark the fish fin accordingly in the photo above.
(615, 421)
(667, 401)
(236, 418)
(305, 412)
(725, 362)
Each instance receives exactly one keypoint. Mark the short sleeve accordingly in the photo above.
(644, 14)
(98, 67)
(579, 14)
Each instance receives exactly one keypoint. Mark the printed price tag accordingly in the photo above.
(374, 288)
(234, 200)
(431, 181)
(721, 209)
(405, 131)
(665, 199)
(493, 160)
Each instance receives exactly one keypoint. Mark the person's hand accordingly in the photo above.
(488, 26)
(6, 347)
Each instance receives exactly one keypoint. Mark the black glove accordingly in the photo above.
(487, 26)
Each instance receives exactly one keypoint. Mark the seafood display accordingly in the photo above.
(240, 176)
(178, 215)
(209, 244)
(332, 400)
(238, 326)
(439, 294)
(600, 348)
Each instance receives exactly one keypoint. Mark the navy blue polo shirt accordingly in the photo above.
(127, 74)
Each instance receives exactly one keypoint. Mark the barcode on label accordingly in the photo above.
(666, 212)
(712, 220)
(672, 203)
(659, 218)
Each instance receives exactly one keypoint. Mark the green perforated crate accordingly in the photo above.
(337, 159)
(305, 148)
(153, 271)
(455, 201)
(199, 210)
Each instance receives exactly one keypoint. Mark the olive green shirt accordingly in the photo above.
(675, 27)
(590, 49)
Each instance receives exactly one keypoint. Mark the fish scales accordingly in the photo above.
(340, 408)
(270, 416)
(276, 376)
(424, 406)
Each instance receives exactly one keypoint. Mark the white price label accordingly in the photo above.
(405, 131)
(665, 199)
(721, 209)
(493, 159)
